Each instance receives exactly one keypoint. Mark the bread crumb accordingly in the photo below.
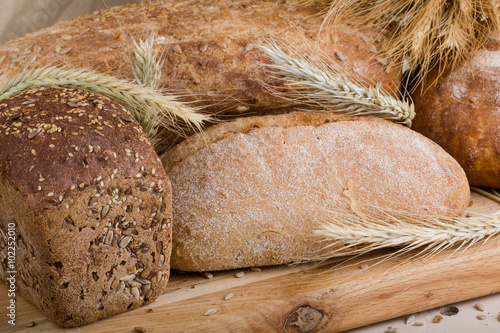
(437, 319)
(150, 310)
(481, 317)
(410, 319)
(240, 274)
(479, 307)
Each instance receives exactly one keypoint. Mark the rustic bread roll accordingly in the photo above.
(459, 111)
(209, 47)
(89, 202)
(247, 193)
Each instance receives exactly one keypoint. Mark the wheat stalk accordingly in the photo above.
(349, 234)
(317, 84)
(425, 31)
(134, 97)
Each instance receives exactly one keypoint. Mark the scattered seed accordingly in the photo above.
(364, 266)
(240, 274)
(150, 310)
(498, 317)
(449, 310)
(140, 329)
(410, 320)
(228, 296)
(418, 323)
(256, 269)
(437, 319)
(210, 312)
(30, 324)
(208, 275)
(479, 307)
(481, 317)
(391, 330)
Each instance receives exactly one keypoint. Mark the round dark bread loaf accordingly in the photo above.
(210, 49)
(459, 110)
(251, 192)
(89, 202)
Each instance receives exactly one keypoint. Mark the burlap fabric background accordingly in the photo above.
(18, 17)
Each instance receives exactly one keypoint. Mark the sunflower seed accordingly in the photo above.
(34, 133)
(125, 241)
(240, 274)
(135, 292)
(228, 296)
(208, 275)
(105, 211)
(109, 237)
(479, 307)
(210, 312)
(128, 278)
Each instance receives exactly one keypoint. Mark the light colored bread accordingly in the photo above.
(90, 202)
(459, 111)
(248, 192)
(210, 49)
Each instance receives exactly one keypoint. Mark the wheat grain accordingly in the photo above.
(349, 234)
(314, 83)
(134, 97)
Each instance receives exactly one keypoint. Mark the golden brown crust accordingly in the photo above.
(459, 111)
(251, 192)
(77, 180)
(210, 48)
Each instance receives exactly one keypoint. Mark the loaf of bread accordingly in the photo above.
(459, 110)
(85, 196)
(250, 192)
(210, 49)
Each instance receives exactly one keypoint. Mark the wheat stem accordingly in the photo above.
(320, 85)
(349, 235)
(134, 97)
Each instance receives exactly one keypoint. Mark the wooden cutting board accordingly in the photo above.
(329, 296)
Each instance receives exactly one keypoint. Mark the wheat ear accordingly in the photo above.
(353, 235)
(145, 63)
(318, 84)
(133, 97)
(423, 32)
(146, 67)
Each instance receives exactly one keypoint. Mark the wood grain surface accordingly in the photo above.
(329, 296)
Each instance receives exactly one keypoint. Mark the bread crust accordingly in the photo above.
(251, 192)
(459, 111)
(77, 180)
(210, 47)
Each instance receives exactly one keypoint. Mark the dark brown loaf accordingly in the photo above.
(459, 111)
(210, 48)
(248, 192)
(90, 202)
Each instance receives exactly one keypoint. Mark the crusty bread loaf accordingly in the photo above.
(459, 111)
(89, 202)
(248, 192)
(210, 48)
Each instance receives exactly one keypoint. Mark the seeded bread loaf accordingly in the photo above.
(459, 111)
(89, 202)
(250, 192)
(210, 48)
